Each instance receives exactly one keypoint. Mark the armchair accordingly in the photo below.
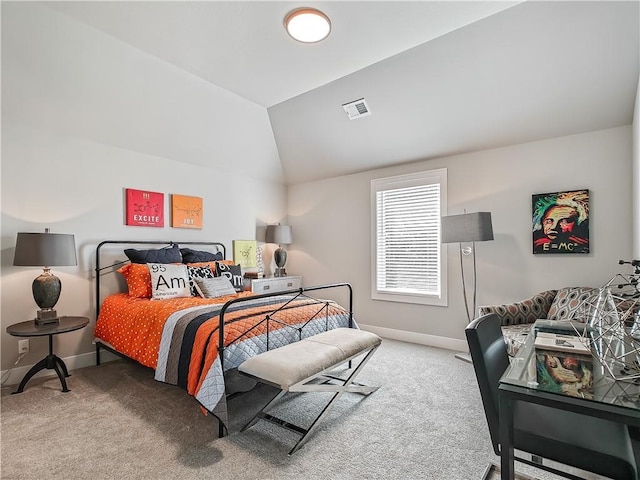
(517, 318)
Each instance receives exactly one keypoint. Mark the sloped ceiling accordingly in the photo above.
(537, 70)
(440, 77)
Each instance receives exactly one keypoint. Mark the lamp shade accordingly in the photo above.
(280, 234)
(468, 227)
(45, 250)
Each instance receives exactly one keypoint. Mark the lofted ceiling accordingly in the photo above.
(440, 77)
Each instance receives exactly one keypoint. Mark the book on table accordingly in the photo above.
(562, 343)
(564, 364)
(567, 327)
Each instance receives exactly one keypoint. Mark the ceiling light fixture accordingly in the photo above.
(307, 25)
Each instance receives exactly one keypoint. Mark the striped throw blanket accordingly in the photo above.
(182, 341)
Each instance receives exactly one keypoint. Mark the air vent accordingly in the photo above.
(357, 109)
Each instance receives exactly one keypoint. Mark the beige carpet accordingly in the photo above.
(425, 422)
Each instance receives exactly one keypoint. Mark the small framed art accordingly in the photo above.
(186, 212)
(144, 209)
(561, 222)
(244, 253)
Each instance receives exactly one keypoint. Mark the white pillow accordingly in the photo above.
(169, 281)
(215, 287)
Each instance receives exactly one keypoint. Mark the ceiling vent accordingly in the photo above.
(357, 109)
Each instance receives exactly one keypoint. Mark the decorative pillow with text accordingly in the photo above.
(169, 281)
(233, 273)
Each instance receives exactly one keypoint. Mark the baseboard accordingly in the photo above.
(74, 362)
(89, 359)
(419, 338)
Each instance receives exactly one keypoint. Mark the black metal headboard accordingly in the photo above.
(219, 247)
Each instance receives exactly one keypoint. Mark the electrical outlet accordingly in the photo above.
(23, 346)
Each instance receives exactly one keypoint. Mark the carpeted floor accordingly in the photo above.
(425, 422)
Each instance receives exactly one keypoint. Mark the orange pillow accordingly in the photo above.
(138, 279)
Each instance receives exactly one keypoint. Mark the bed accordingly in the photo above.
(192, 342)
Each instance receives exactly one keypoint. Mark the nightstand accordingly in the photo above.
(51, 361)
(275, 284)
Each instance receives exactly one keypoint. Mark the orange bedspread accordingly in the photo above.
(179, 337)
(133, 326)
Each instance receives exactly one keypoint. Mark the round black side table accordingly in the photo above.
(51, 361)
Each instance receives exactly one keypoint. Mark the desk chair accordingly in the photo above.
(588, 443)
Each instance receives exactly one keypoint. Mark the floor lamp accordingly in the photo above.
(467, 228)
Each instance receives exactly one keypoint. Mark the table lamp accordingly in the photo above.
(282, 235)
(45, 250)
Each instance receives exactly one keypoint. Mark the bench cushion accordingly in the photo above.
(293, 363)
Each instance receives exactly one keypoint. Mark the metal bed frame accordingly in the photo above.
(219, 247)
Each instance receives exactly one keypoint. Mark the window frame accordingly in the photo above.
(427, 177)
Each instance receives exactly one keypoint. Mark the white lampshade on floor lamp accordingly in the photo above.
(467, 228)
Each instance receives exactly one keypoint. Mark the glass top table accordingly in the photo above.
(522, 373)
(617, 401)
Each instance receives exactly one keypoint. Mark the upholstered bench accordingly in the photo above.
(304, 366)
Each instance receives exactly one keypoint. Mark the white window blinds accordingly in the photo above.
(407, 248)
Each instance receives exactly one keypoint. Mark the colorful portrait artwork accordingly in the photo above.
(561, 222)
(144, 209)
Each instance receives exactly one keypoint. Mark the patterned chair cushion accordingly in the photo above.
(517, 318)
(569, 302)
(524, 312)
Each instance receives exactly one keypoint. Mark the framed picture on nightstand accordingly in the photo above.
(244, 253)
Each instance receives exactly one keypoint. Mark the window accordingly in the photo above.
(407, 253)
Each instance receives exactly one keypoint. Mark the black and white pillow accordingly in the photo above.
(233, 273)
(198, 273)
(168, 281)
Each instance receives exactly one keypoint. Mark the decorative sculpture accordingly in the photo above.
(613, 317)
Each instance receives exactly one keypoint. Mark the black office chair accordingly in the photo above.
(588, 443)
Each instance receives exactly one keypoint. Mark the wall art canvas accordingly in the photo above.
(143, 208)
(561, 222)
(186, 212)
(244, 253)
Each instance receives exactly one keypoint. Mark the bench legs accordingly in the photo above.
(347, 385)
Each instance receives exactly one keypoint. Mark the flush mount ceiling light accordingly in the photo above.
(307, 25)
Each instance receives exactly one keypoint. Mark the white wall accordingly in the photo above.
(85, 116)
(331, 219)
(636, 176)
